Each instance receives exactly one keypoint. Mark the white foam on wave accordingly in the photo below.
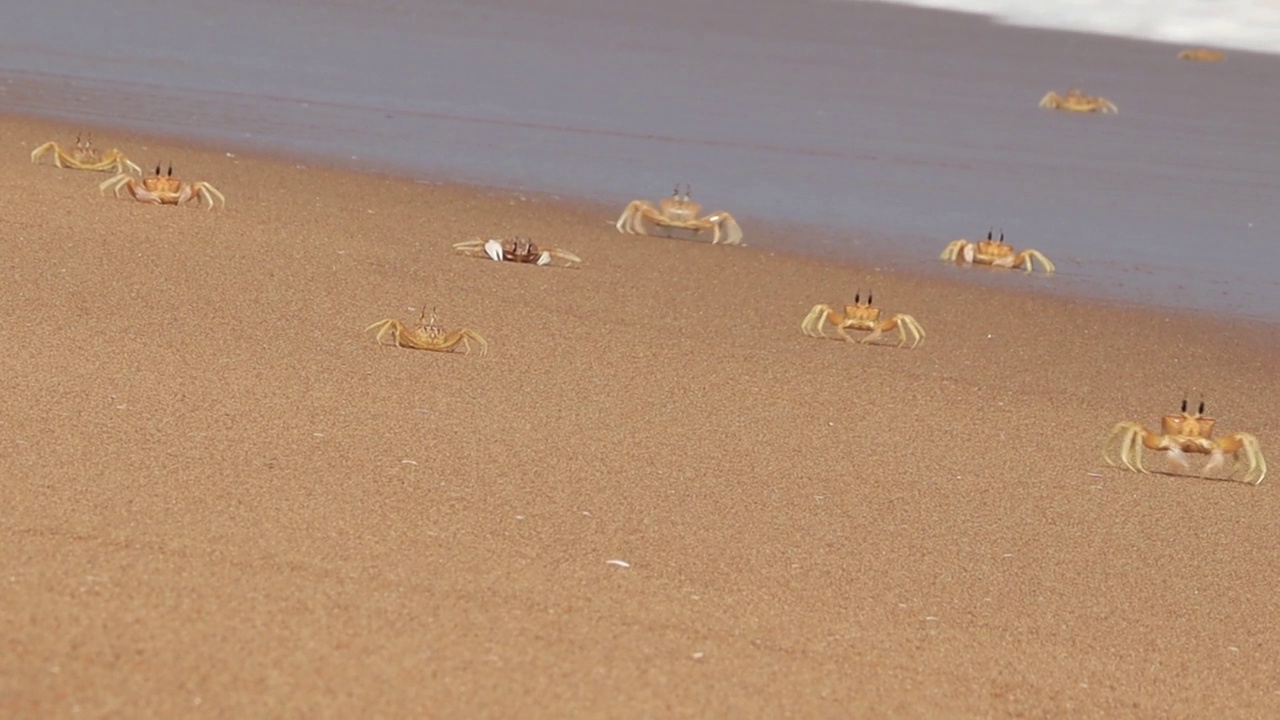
(1237, 24)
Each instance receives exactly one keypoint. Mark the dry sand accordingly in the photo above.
(219, 498)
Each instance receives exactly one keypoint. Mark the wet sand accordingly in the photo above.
(900, 127)
(221, 499)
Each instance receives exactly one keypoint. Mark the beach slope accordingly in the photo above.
(653, 497)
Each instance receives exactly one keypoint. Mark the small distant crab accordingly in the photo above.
(996, 253)
(162, 189)
(517, 250)
(1077, 101)
(1202, 55)
(861, 316)
(682, 213)
(1181, 434)
(427, 335)
(85, 157)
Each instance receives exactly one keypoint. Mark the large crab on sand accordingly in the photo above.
(679, 212)
(996, 253)
(84, 156)
(1181, 434)
(1077, 101)
(517, 250)
(427, 335)
(162, 189)
(861, 316)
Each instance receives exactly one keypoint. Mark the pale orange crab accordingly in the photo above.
(996, 253)
(427, 335)
(84, 156)
(1202, 55)
(679, 212)
(162, 189)
(1181, 434)
(861, 316)
(1077, 101)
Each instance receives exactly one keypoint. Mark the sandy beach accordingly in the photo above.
(221, 498)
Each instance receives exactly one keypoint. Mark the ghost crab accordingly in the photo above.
(1181, 434)
(517, 250)
(861, 316)
(1077, 101)
(682, 213)
(427, 335)
(162, 189)
(996, 253)
(1202, 55)
(84, 156)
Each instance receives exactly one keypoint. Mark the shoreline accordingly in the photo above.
(903, 151)
(824, 245)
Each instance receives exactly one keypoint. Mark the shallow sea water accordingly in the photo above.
(897, 128)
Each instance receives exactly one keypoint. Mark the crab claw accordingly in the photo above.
(493, 248)
(1216, 459)
(1179, 458)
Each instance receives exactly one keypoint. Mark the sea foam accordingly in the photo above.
(1236, 24)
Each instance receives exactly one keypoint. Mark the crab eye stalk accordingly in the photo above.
(869, 300)
(1184, 404)
(1201, 410)
(857, 298)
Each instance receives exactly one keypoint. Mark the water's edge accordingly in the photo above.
(856, 137)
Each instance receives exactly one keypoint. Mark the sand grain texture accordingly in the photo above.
(220, 498)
